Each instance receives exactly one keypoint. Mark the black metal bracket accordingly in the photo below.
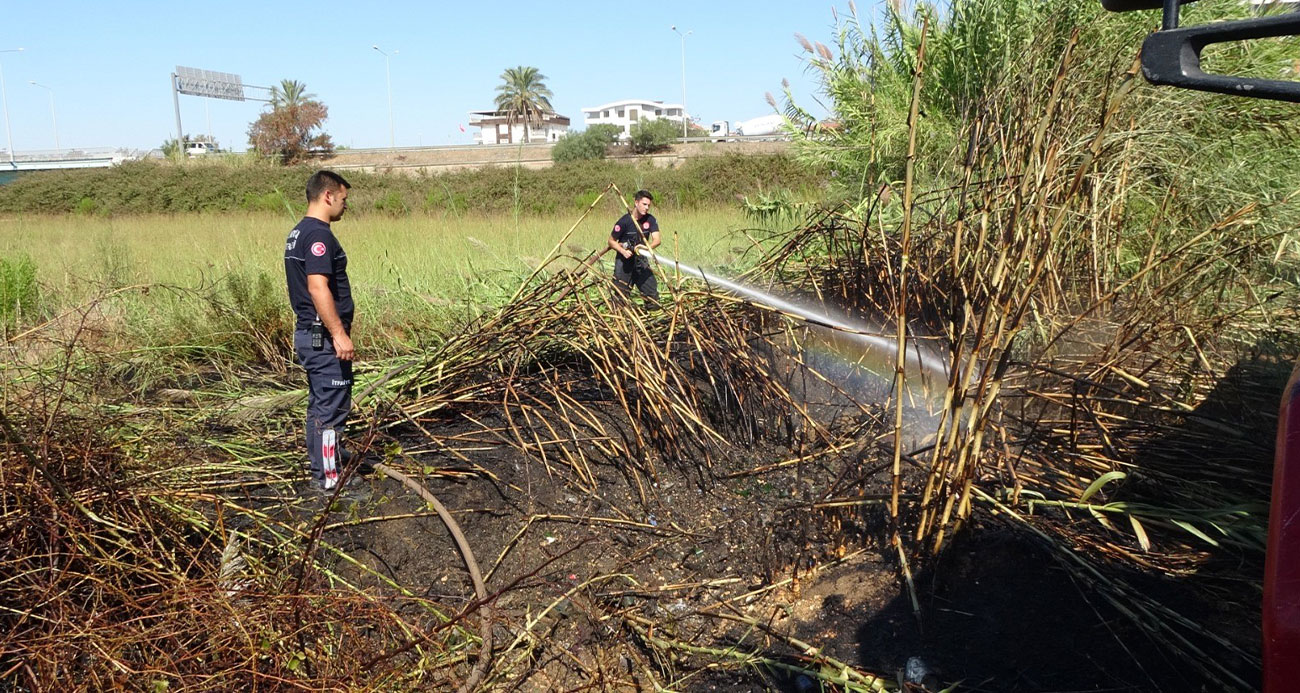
(1172, 56)
(1133, 5)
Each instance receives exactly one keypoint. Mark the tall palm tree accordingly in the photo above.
(523, 95)
(290, 93)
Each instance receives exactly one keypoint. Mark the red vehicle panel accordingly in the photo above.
(1282, 563)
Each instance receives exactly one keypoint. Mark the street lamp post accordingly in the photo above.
(388, 74)
(53, 118)
(674, 28)
(4, 101)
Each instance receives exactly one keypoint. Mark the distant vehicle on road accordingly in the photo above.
(762, 126)
(200, 148)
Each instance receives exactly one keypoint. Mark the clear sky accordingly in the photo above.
(108, 63)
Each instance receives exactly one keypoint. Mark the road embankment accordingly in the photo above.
(534, 156)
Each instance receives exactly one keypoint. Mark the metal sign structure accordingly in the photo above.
(214, 85)
(192, 81)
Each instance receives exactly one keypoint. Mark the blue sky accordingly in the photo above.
(108, 63)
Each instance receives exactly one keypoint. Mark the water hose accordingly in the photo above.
(476, 576)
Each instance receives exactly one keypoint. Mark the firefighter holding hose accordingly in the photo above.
(630, 268)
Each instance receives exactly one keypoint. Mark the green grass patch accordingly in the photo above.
(413, 276)
(19, 294)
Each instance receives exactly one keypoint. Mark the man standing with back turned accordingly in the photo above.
(316, 269)
(629, 267)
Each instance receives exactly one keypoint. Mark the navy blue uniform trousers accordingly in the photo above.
(329, 399)
(635, 271)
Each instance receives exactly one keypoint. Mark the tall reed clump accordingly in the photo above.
(1097, 257)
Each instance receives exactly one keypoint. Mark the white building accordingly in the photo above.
(495, 127)
(624, 113)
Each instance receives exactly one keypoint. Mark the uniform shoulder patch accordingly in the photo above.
(617, 227)
(318, 248)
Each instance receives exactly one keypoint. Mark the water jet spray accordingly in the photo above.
(918, 359)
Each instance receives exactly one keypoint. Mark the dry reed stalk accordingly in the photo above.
(905, 247)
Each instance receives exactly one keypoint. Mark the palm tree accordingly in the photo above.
(290, 93)
(523, 94)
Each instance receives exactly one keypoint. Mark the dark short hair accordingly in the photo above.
(643, 193)
(321, 181)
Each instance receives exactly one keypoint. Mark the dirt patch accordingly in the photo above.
(577, 570)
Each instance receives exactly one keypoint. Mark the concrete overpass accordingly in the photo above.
(51, 159)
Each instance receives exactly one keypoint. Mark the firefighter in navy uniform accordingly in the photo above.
(316, 269)
(629, 267)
